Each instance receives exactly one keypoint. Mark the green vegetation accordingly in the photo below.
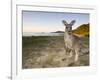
(82, 30)
(39, 41)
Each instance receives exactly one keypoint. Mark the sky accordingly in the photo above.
(37, 21)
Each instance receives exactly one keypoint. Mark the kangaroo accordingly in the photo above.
(73, 44)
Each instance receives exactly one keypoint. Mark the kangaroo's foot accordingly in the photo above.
(76, 57)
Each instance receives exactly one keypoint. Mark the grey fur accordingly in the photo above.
(73, 44)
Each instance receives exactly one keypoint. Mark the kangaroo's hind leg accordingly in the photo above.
(76, 55)
(70, 53)
(66, 50)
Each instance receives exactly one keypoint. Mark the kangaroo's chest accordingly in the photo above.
(68, 41)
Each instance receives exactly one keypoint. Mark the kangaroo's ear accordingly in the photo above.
(64, 22)
(72, 22)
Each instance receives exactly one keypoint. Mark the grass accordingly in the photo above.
(47, 51)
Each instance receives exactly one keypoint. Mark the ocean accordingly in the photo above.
(41, 34)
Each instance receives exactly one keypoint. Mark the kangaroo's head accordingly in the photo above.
(68, 25)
